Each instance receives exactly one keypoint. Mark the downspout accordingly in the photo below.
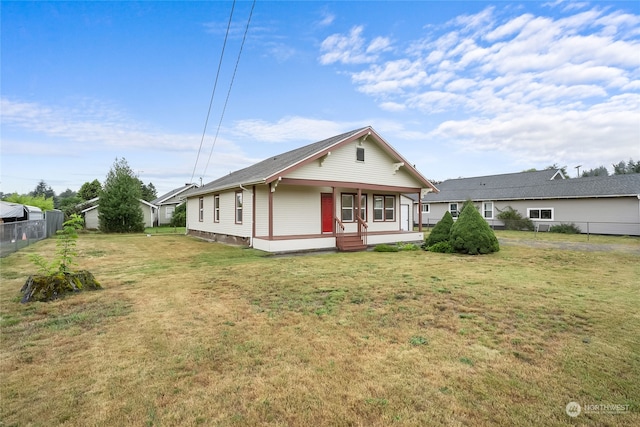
(419, 213)
(270, 212)
(253, 215)
(638, 214)
(253, 219)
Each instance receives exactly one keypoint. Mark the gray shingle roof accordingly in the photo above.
(170, 194)
(260, 172)
(534, 185)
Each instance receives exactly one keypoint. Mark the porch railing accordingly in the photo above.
(339, 232)
(362, 230)
(349, 241)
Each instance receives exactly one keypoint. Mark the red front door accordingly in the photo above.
(326, 212)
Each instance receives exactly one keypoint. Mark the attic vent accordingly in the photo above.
(360, 154)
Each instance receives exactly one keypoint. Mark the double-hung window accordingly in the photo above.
(216, 208)
(487, 210)
(239, 207)
(349, 207)
(384, 208)
(425, 208)
(453, 209)
(168, 212)
(201, 209)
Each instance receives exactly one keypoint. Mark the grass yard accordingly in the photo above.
(194, 333)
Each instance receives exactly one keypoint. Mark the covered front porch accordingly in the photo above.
(320, 242)
(306, 215)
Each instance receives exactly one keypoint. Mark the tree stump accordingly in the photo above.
(47, 288)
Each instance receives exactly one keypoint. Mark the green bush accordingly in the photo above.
(407, 246)
(565, 229)
(179, 218)
(441, 247)
(513, 220)
(471, 234)
(385, 248)
(441, 231)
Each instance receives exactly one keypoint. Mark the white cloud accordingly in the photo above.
(327, 19)
(89, 123)
(551, 134)
(392, 106)
(288, 129)
(534, 86)
(511, 27)
(352, 48)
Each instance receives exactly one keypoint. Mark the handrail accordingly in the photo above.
(362, 229)
(339, 232)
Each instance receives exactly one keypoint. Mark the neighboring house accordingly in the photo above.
(343, 192)
(599, 205)
(90, 214)
(168, 203)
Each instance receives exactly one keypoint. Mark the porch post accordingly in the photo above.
(333, 220)
(359, 203)
(419, 213)
(253, 214)
(270, 211)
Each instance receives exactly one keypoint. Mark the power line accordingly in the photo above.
(246, 30)
(206, 122)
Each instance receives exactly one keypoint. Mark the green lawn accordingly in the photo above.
(188, 332)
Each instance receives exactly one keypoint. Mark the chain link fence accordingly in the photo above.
(20, 234)
(585, 228)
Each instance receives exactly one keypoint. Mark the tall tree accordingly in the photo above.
(599, 171)
(90, 190)
(43, 189)
(625, 168)
(119, 208)
(68, 202)
(148, 192)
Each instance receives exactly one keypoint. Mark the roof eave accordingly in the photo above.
(220, 189)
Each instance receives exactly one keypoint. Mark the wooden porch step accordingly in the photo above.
(351, 243)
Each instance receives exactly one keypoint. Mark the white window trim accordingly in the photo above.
(540, 209)
(457, 211)
(239, 197)
(484, 210)
(168, 211)
(216, 208)
(426, 208)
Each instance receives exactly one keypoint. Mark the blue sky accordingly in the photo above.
(459, 88)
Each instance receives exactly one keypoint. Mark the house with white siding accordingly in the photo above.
(597, 205)
(91, 213)
(344, 192)
(167, 203)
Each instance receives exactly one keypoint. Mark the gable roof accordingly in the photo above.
(534, 185)
(272, 168)
(96, 204)
(172, 194)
